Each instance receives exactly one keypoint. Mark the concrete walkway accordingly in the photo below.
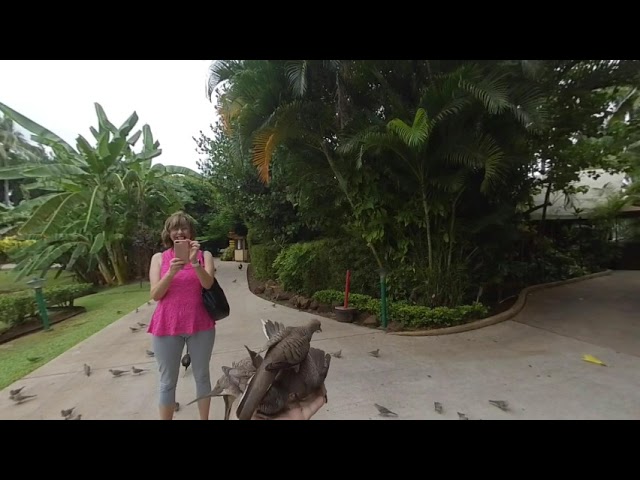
(534, 362)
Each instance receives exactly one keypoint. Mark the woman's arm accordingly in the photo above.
(206, 274)
(159, 286)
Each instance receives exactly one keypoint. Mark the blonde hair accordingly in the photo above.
(178, 219)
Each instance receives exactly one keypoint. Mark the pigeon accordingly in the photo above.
(234, 280)
(384, 411)
(438, 407)
(137, 371)
(15, 392)
(186, 361)
(462, 416)
(117, 373)
(291, 386)
(141, 324)
(34, 359)
(226, 387)
(137, 309)
(20, 398)
(375, 353)
(240, 267)
(67, 413)
(501, 404)
(286, 349)
(134, 329)
(150, 353)
(87, 370)
(337, 354)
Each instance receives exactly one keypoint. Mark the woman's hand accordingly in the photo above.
(194, 248)
(175, 266)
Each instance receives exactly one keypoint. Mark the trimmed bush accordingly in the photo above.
(413, 316)
(262, 258)
(17, 307)
(322, 264)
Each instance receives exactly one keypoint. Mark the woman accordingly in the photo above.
(180, 316)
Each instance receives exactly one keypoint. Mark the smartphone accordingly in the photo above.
(181, 250)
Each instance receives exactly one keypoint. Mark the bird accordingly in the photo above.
(87, 370)
(15, 391)
(117, 373)
(142, 324)
(375, 353)
(240, 267)
(501, 404)
(438, 407)
(462, 416)
(34, 359)
(290, 385)
(384, 411)
(134, 329)
(234, 280)
(20, 398)
(286, 349)
(337, 354)
(137, 309)
(67, 412)
(150, 353)
(186, 361)
(228, 387)
(137, 371)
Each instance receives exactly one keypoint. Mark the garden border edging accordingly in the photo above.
(503, 316)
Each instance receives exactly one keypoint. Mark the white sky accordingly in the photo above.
(169, 95)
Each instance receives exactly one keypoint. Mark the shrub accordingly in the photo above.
(262, 258)
(10, 245)
(16, 307)
(322, 264)
(414, 316)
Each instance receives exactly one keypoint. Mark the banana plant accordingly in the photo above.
(89, 192)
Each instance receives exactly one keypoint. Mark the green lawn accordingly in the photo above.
(8, 280)
(102, 310)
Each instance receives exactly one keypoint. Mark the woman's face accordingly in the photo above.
(180, 232)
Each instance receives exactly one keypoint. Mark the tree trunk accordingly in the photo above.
(427, 220)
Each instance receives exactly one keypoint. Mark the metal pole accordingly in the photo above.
(383, 298)
(43, 309)
(346, 289)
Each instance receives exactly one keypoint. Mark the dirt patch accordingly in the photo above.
(34, 324)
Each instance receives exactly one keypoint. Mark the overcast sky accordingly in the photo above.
(169, 95)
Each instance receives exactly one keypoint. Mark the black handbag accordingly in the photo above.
(215, 301)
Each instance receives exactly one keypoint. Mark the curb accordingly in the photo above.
(503, 316)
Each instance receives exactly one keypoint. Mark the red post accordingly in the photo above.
(346, 289)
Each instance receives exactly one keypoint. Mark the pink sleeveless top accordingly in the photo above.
(181, 311)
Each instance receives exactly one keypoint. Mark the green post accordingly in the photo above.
(383, 297)
(36, 284)
(43, 309)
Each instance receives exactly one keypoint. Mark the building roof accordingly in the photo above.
(581, 205)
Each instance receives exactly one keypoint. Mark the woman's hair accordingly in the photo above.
(178, 219)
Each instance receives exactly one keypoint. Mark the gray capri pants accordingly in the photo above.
(168, 353)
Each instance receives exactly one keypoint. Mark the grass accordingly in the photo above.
(8, 280)
(102, 310)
